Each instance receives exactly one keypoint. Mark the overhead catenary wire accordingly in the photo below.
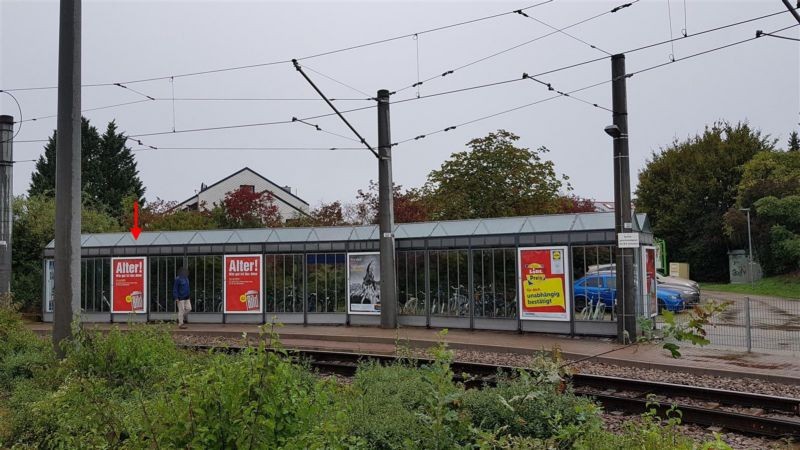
(318, 128)
(258, 124)
(287, 148)
(337, 81)
(134, 91)
(311, 56)
(760, 33)
(489, 116)
(19, 108)
(565, 94)
(561, 31)
(628, 75)
(516, 46)
(116, 105)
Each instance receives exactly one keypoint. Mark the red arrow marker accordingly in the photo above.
(135, 230)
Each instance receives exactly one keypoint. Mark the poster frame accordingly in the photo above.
(568, 301)
(347, 291)
(643, 275)
(261, 273)
(145, 289)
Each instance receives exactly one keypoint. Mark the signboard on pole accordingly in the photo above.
(628, 240)
(129, 285)
(242, 288)
(364, 283)
(544, 283)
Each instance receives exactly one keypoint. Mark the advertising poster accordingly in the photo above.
(364, 283)
(243, 293)
(649, 257)
(129, 285)
(545, 289)
(49, 286)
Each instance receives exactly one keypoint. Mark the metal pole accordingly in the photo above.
(748, 324)
(626, 298)
(6, 197)
(386, 214)
(792, 10)
(68, 174)
(750, 249)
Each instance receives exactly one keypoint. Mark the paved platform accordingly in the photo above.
(778, 367)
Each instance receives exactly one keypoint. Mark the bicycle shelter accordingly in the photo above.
(450, 274)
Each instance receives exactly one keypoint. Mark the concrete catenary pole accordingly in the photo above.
(626, 290)
(68, 174)
(386, 215)
(6, 197)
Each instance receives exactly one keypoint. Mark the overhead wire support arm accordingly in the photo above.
(361, 139)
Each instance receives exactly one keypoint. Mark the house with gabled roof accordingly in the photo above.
(289, 205)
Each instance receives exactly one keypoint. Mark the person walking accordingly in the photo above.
(180, 290)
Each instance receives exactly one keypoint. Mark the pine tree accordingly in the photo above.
(108, 170)
(43, 180)
(794, 142)
(117, 176)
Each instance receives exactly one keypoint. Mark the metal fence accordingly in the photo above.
(753, 323)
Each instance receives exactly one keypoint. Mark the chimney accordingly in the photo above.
(203, 187)
(287, 189)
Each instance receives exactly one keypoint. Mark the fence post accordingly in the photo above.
(748, 324)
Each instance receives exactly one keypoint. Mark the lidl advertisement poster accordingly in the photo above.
(544, 287)
(364, 283)
(243, 293)
(129, 285)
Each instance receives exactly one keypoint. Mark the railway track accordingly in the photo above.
(742, 412)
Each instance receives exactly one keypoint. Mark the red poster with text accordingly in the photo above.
(243, 284)
(650, 284)
(129, 285)
(544, 291)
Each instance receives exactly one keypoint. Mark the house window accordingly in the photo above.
(247, 188)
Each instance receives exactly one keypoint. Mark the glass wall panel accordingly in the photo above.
(283, 283)
(205, 282)
(96, 284)
(411, 282)
(162, 273)
(326, 282)
(594, 281)
(449, 278)
(495, 277)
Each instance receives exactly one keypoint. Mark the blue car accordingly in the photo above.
(602, 287)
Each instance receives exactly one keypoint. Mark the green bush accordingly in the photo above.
(401, 406)
(525, 406)
(22, 352)
(139, 357)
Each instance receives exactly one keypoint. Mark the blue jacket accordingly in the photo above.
(180, 289)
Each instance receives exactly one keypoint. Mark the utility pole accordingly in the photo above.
(6, 196)
(626, 290)
(386, 214)
(792, 10)
(68, 175)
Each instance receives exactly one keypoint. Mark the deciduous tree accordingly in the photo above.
(245, 208)
(687, 187)
(495, 178)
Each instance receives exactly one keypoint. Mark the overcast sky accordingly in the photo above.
(756, 81)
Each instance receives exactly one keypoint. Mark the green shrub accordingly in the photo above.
(141, 356)
(401, 406)
(257, 399)
(526, 406)
(22, 352)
